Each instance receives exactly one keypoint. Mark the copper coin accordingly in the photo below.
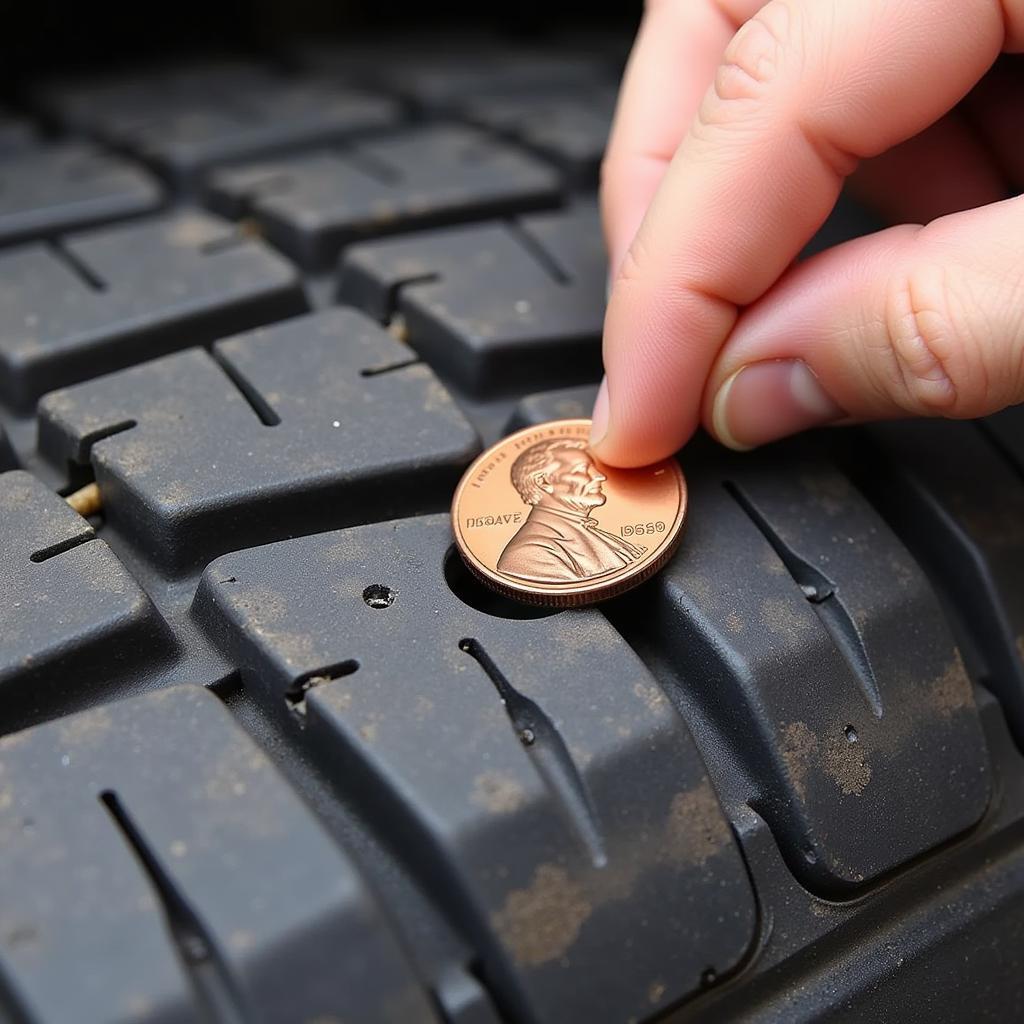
(538, 518)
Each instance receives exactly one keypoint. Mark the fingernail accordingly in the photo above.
(599, 417)
(765, 401)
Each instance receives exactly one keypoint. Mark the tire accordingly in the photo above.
(270, 753)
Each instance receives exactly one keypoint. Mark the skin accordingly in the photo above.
(737, 125)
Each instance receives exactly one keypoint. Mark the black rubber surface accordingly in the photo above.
(270, 754)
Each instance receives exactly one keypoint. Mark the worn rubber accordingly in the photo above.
(271, 753)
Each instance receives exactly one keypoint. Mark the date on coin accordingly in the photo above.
(537, 517)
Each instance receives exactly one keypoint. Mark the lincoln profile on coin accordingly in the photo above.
(560, 542)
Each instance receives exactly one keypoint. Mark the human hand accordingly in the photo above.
(709, 194)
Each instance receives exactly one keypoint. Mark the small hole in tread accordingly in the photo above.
(376, 595)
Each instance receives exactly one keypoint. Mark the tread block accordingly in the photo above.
(70, 614)
(955, 493)
(562, 404)
(301, 426)
(537, 774)
(569, 128)
(436, 69)
(439, 82)
(61, 188)
(314, 205)
(188, 141)
(110, 297)
(157, 867)
(493, 307)
(817, 645)
(182, 129)
(84, 103)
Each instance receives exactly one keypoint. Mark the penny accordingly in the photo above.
(537, 517)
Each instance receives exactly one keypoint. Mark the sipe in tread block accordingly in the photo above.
(314, 205)
(61, 188)
(71, 617)
(157, 868)
(494, 307)
(94, 302)
(321, 421)
(536, 778)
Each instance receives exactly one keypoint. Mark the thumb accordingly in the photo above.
(913, 321)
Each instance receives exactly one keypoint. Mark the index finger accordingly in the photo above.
(677, 49)
(804, 89)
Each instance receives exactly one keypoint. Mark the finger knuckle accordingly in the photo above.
(927, 360)
(755, 57)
